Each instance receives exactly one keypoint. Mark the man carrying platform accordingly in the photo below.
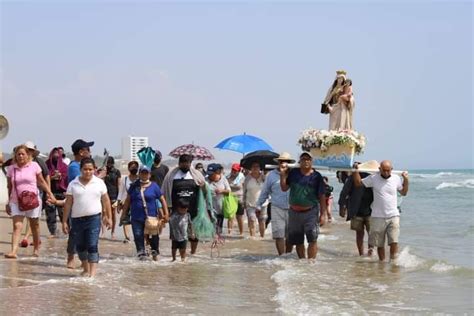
(385, 219)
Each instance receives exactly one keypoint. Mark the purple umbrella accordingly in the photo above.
(198, 152)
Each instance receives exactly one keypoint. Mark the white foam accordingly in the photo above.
(327, 237)
(441, 267)
(381, 288)
(407, 260)
(469, 183)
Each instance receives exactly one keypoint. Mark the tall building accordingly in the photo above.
(131, 145)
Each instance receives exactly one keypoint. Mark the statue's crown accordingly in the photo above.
(341, 72)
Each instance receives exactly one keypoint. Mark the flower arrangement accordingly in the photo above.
(322, 139)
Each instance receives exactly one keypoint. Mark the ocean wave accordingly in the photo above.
(441, 267)
(469, 183)
(407, 260)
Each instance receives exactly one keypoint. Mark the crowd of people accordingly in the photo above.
(89, 200)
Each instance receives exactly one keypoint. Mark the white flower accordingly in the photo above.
(313, 138)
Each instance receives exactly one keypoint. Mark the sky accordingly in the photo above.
(199, 72)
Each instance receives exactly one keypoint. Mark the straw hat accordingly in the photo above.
(284, 156)
(370, 165)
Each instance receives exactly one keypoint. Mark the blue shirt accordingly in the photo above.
(271, 188)
(152, 193)
(73, 171)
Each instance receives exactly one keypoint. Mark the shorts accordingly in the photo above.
(240, 209)
(381, 227)
(179, 244)
(358, 223)
(252, 214)
(301, 224)
(279, 222)
(34, 213)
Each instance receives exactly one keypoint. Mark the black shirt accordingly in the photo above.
(111, 182)
(185, 189)
(158, 174)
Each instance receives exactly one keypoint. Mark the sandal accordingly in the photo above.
(10, 256)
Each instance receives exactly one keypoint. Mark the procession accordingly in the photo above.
(195, 202)
(237, 158)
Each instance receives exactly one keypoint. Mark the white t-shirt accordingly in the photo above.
(182, 175)
(87, 198)
(385, 194)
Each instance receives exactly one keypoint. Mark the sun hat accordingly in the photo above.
(30, 145)
(370, 165)
(284, 156)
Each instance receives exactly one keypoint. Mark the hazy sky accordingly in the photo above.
(200, 72)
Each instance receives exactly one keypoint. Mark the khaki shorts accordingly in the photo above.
(279, 222)
(358, 223)
(379, 227)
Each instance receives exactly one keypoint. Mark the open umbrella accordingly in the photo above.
(146, 156)
(263, 157)
(243, 144)
(198, 152)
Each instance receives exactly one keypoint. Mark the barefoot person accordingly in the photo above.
(236, 182)
(24, 177)
(112, 182)
(180, 225)
(272, 189)
(86, 197)
(123, 192)
(357, 201)
(81, 149)
(142, 200)
(58, 175)
(219, 187)
(385, 221)
(185, 182)
(253, 185)
(307, 204)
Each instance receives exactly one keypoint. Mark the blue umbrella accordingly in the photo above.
(146, 156)
(243, 144)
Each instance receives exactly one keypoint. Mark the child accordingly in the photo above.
(180, 226)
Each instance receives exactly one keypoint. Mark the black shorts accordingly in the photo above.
(301, 224)
(178, 244)
(240, 208)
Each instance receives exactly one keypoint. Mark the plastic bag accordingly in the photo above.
(203, 226)
(229, 205)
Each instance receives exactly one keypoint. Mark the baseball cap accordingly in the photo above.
(80, 144)
(213, 167)
(144, 168)
(235, 167)
(306, 153)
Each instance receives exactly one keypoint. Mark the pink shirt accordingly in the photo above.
(24, 179)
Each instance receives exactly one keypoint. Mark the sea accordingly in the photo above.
(434, 273)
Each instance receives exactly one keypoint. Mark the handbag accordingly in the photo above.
(27, 200)
(324, 108)
(152, 223)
